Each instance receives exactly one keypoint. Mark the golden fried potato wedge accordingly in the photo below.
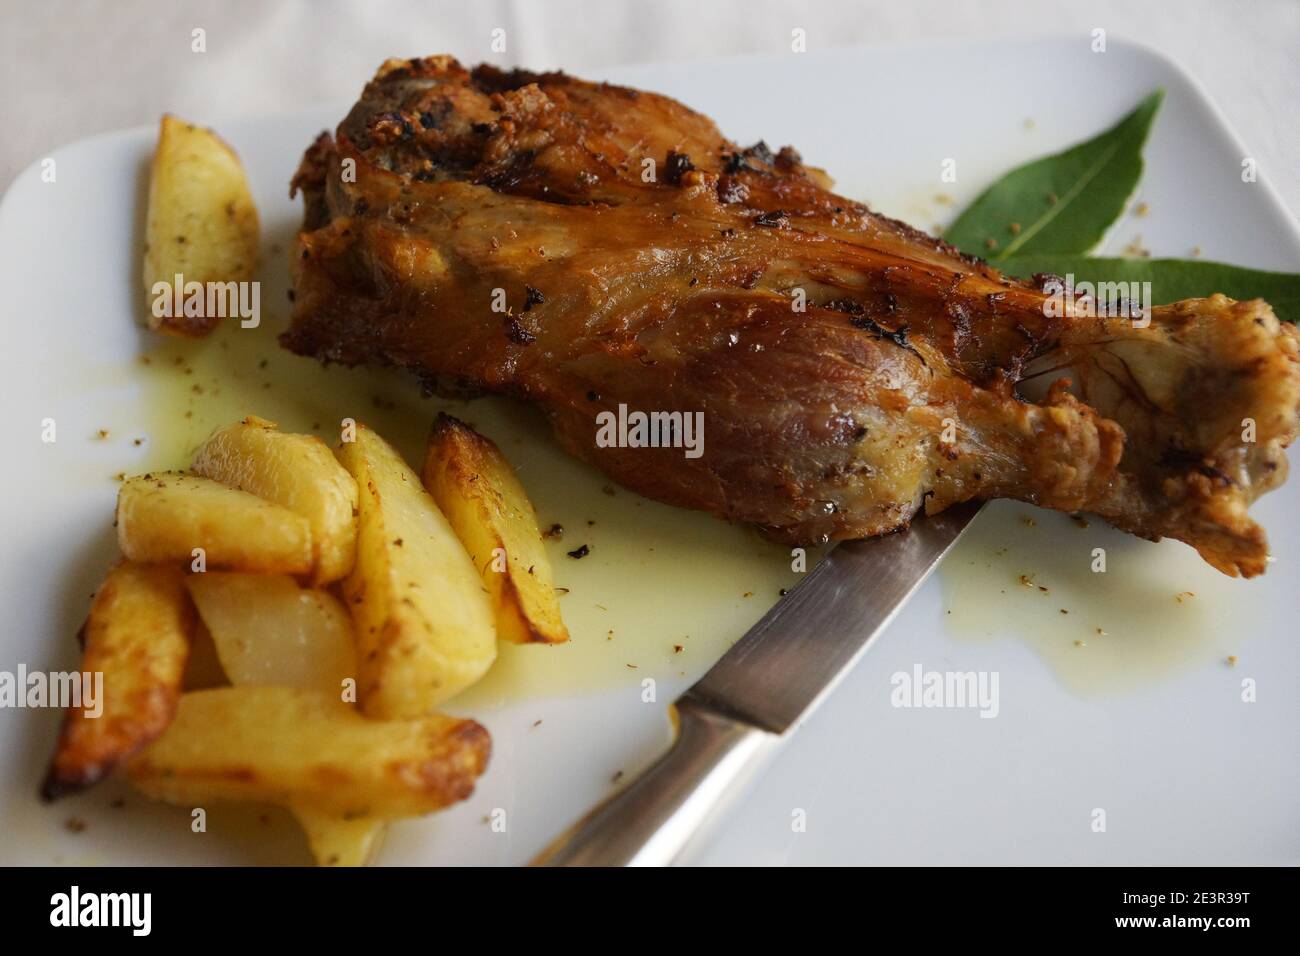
(421, 615)
(305, 749)
(162, 518)
(137, 637)
(341, 841)
(269, 631)
(478, 491)
(298, 472)
(201, 226)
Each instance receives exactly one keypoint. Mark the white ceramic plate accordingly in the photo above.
(1146, 722)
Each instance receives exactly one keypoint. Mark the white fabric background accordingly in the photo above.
(78, 67)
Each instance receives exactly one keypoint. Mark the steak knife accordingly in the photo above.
(731, 720)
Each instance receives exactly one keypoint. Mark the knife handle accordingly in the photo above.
(650, 821)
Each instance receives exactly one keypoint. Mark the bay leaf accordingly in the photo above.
(1060, 203)
(1171, 279)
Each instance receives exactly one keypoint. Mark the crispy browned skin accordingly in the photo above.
(138, 637)
(679, 294)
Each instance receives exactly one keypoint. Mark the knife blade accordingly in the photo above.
(733, 718)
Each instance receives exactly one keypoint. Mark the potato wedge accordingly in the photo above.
(162, 518)
(478, 491)
(269, 631)
(137, 637)
(304, 748)
(298, 472)
(340, 841)
(421, 615)
(201, 225)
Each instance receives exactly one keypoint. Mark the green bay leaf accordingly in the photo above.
(1061, 203)
(1171, 279)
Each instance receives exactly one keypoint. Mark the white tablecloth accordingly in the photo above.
(78, 67)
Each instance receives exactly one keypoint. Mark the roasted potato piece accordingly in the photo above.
(137, 637)
(478, 491)
(269, 631)
(340, 841)
(421, 615)
(298, 472)
(201, 224)
(305, 749)
(162, 518)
